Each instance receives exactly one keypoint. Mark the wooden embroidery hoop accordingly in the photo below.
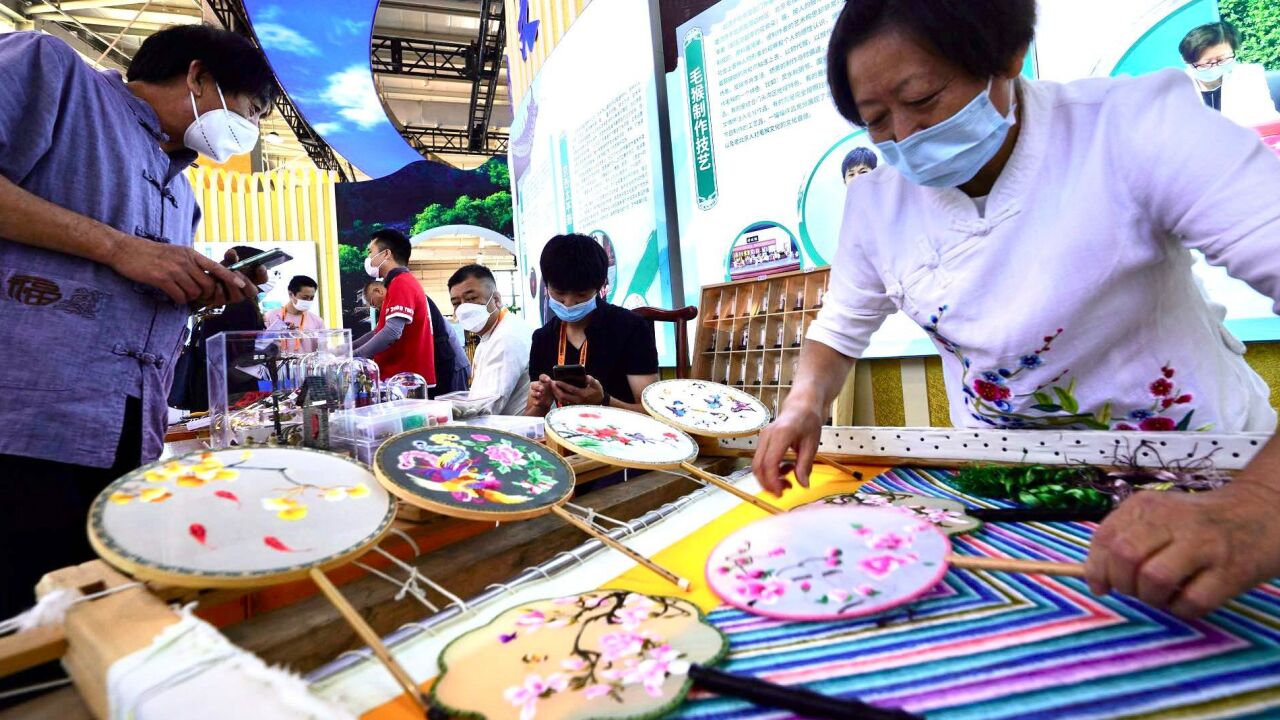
(381, 462)
(685, 463)
(555, 508)
(314, 571)
(648, 399)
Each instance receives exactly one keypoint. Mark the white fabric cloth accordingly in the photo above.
(500, 366)
(1079, 277)
(1246, 99)
(191, 671)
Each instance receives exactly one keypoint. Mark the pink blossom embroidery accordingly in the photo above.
(505, 455)
(526, 696)
(880, 566)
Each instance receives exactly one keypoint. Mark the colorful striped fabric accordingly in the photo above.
(996, 645)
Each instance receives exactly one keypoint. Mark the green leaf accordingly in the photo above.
(1186, 421)
(1066, 399)
(1042, 398)
(1104, 417)
(1047, 408)
(1094, 424)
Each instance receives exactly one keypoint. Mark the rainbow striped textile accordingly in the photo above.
(987, 645)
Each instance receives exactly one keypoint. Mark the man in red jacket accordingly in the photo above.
(402, 341)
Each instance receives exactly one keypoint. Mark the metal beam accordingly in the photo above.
(422, 58)
(73, 5)
(454, 141)
(492, 42)
(232, 15)
(84, 47)
(438, 7)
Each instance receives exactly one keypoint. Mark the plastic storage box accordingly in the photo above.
(379, 422)
(530, 427)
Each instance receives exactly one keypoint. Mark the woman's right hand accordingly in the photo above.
(798, 427)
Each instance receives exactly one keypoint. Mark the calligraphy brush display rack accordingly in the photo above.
(750, 332)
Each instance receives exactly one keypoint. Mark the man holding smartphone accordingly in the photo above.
(97, 272)
(590, 352)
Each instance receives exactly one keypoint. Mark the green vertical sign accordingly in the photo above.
(565, 184)
(703, 155)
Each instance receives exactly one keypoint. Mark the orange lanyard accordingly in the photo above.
(564, 340)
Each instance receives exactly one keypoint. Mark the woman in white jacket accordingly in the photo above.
(1041, 233)
(1239, 90)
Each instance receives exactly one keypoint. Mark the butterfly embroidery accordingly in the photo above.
(528, 30)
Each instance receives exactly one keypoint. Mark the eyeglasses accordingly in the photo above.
(1214, 63)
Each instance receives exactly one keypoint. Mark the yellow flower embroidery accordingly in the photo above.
(191, 480)
(358, 491)
(226, 475)
(154, 495)
(121, 498)
(335, 494)
(275, 503)
(246, 454)
(293, 513)
(444, 439)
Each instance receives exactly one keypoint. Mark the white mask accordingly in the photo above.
(472, 317)
(371, 269)
(304, 305)
(219, 133)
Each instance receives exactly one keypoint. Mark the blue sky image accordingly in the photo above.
(320, 51)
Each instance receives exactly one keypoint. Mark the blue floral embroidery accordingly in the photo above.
(1031, 362)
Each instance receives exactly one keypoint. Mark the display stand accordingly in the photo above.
(750, 332)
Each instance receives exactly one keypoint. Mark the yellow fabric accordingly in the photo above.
(688, 558)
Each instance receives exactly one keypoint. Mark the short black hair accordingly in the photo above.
(1204, 37)
(858, 156)
(478, 272)
(371, 283)
(574, 263)
(236, 65)
(980, 36)
(395, 241)
(300, 281)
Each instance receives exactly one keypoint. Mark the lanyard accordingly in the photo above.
(564, 339)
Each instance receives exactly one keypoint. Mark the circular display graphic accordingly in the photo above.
(764, 248)
(705, 408)
(823, 192)
(829, 563)
(619, 437)
(239, 518)
(474, 473)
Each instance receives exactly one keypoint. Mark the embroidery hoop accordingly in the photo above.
(559, 418)
(810, 533)
(699, 643)
(555, 507)
(385, 470)
(650, 400)
(557, 426)
(963, 524)
(140, 566)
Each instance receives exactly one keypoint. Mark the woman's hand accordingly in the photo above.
(566, 394)
(798, 427)
(1189, 553)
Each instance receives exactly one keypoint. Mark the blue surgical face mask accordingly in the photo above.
(574, 313)
(952, 152)
(1214, 74)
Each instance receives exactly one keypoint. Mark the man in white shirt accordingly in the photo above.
(501, 363)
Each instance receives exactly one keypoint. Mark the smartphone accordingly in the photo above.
(268, 259)
(575, 375)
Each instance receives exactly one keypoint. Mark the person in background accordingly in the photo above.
(1239, 90)
(859, 161)
(616, 345)
(374, 293)
(502, 358)
(298, 313)
(99, 276)
(453, 371)
(402, 340)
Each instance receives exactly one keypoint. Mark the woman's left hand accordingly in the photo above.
(1188, 553)
(566, 394)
